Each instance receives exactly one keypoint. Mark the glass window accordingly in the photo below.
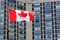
(1, 37)
(22, 24)
(48, 24)
(36, 20)
(1, 32)
(48, 39)
(37, 17)
(48, 16)
(37, 32)
(47, 4)
(1, 28)
(11, 4)
(48, 11)
(58, 7)
(21, 35)
(37, 28)
(11, 30)
(20, 5)
(58, 21)
(57, 14)
(11, 38)
(49, 32)
(48, 28)
(21, 38)
(37, 9)
(21, 31)
(48, 36)
(58, 2)
(37, 25)
(37, 37)
(1, 24)
(37, 4)
(57, 10)
(2, 3)
(58, 30)
(2, 15)
(37, 13)
(57, 18)
(58, 36)
(58, 26)
(12, 1)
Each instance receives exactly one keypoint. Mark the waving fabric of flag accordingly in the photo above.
(19, 15)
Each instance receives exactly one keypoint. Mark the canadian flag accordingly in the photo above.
(19, 15)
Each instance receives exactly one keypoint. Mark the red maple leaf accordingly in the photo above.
(22, 14)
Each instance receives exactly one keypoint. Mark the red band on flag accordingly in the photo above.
(12, 14)
(31, 16)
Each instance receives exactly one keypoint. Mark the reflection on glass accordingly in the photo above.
(48, 16)
(37, 29)
(37, 37)
(58, 3)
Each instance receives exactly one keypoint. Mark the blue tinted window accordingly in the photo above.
(2, 3)
(47, 8)
(57, 14)
(37, 37)
(58, 26)
(48, 24)
(48, 36)
(1, 37)
(57, 18)
(58, 2)
(49, 32)
(48, 16)
(57, 10)
(37, 9)
(37, 4)
(58, 30)
(37, 33)
(58, 7)
(47, 11)
(58, 36)
(37, 25)
(37, 28)
(47, 4)
(58, 21)
(48, 28)
(11, 0)
(1, 32)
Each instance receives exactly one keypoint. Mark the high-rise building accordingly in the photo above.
(46, 24)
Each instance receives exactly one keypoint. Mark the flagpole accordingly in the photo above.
(29, 24)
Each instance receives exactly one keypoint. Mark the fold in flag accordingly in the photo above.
(19, 15)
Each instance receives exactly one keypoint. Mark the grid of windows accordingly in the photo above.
(21, 5)
(57, 4)
(37, 22)
(11, 26)
(2, 20)
(49, 12)
(48, 19)
(21, 25)
(15, 30)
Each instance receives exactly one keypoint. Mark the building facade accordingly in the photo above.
(46, 24)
